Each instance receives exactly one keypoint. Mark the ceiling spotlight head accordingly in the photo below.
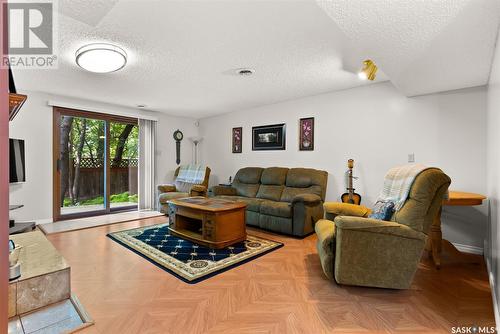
(101, 58)
(245, 71)
(369, 70)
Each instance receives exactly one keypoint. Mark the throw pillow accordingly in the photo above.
(382, 211)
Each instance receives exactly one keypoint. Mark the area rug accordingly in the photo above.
(186, 260)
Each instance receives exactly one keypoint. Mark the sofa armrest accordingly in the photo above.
(307, 199)
(198, 190)
(376, 226)
(166, 188)
(222, 190)
(346, 209)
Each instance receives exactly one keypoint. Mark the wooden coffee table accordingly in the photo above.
(210, 222)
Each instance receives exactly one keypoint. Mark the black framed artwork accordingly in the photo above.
(268, 137)
(237, 139)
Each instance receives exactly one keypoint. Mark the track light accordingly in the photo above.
(369, 70)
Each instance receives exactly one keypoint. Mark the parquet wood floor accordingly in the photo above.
(281, 292)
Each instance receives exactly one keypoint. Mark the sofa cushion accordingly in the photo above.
(246, 190)
(249, 175)
(274, 176)
(307, 178)
(163, 198)
(270, 192)
(247, 181)
(289, 192)
(278, 209)
(304, 181)
(253, 204)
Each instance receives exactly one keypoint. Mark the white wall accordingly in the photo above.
(34, 125)
(378, 127)
(493, 180)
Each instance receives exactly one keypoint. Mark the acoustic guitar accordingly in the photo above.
(350, 196)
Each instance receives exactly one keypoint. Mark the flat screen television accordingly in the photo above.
(16, 161)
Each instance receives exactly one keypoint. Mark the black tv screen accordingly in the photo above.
(16, 158)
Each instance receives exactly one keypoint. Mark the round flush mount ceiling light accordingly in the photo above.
(101, 58)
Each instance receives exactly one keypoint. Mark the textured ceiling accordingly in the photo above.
(182, 54)
(423, 46)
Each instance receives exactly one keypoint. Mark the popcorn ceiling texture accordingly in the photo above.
(182, 54)
(422, 46)
(90, 12)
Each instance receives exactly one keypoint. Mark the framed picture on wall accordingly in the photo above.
(306, 134)
(237, 139)
(268, 137)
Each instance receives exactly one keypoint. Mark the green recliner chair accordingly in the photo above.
(356, 250)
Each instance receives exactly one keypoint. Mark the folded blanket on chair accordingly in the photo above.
(398, 182)
(193, 174)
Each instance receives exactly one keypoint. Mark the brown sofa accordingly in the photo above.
(284, 200)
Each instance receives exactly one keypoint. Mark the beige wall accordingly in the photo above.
(378, 127)
(34, 125)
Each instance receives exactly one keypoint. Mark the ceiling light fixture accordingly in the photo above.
(369, 70)
(101, 58)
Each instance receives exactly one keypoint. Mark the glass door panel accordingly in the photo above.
(124, 154)
(82, 165)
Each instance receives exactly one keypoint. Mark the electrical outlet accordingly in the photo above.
(411, 157)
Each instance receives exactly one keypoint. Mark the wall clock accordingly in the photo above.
(178, 135)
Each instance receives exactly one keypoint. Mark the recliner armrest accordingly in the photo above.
(346, 209)
(307, 199)
(222, 190)
(370, 225)
(199, 188)
(166, 188)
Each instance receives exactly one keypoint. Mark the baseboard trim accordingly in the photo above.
(469, 249)
(493, 292)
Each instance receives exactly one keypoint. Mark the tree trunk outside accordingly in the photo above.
(66, 123)
(81, 143)
(120, 146)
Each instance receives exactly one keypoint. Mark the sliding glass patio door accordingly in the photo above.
(95, 163)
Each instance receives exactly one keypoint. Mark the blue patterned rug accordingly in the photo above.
(188, 261)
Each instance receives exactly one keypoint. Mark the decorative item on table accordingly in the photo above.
(178, 135)
(350, 196)
(306, 134)
(228, 184)
(268, 137)
(237, 139)
(14, 264)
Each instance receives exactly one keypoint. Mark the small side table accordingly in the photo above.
(437, 243)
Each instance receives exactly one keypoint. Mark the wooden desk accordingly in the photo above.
(436, 242)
